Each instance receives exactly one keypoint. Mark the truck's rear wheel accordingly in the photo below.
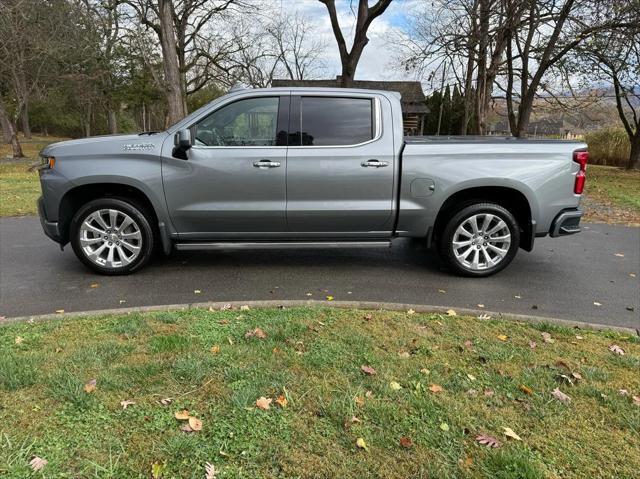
(480, 240)
(112, 236)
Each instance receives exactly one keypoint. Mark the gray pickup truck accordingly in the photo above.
(306, 168)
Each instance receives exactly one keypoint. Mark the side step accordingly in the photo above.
(237, 245)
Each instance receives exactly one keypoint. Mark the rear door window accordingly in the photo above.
(335, 121)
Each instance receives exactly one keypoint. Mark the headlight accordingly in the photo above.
(47, 162)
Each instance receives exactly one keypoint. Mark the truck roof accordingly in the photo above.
(315, 89)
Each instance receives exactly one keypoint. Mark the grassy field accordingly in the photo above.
(436, 383)
(19, 187)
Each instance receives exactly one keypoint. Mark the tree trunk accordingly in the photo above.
(112, 121)
(10, 131)
(6, 127)
(172, 78)
(24, 120)
(634, 157)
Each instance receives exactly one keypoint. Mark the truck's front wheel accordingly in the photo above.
(480, 240)
(112, 236)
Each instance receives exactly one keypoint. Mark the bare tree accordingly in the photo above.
(10, 132)
(366, 15)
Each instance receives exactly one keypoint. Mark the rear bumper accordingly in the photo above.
(566, 223)
(50, 228)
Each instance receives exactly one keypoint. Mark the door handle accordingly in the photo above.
(374, 164)
(264, 164)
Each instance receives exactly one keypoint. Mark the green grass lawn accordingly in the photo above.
(614, 186)
(208, 365)
(19, 187)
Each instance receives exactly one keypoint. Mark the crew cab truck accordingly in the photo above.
(306, 168)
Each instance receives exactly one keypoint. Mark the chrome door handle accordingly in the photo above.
(374, 164)
(264, 164)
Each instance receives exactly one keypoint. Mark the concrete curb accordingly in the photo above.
(370, 305)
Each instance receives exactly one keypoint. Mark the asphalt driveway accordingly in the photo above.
(586, 277)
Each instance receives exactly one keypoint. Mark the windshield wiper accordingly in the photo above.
(149, 133)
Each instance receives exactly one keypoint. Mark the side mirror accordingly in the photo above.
(181, 143)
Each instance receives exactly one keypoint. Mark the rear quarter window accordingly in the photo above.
(336, 121)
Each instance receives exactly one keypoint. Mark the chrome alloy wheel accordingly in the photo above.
(110, 238)
(481, 241)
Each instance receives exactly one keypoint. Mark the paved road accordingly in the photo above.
(561, 278)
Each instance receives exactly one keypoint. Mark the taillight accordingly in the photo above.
(582, 158)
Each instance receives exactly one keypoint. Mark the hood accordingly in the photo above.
(105, 144)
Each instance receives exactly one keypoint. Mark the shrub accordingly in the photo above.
(609, 146)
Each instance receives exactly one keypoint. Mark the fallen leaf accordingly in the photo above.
(525, 389)
(636, 400)
(210, 471)
(546, 337)
(37, 463)
(368, 394)
(215, 349)
(487, 440)
(60, 311)
(186, 428)
(351, 421)
(404, 354)
(579, 337)
(395, 386)
(226, 307)
(623, 392)
(361, 444)
(560, 396)
(90, 386)
(451, 312)
(157, 469)
(471, 377)
(282, 401)
(406, 442)
(258, 333)
(619, 255)
(633, 275)
(532, 344)
(263, 403)
(309, 294)
(442, 291)
(517, 296)
(484, 317)
(488, 392)
(94, 285)
(166, 401)
(425, 371)
(595, 303)
(614, 348)
(368, 370)
(195, 423)
(244, 307)
(468, 344)
(481, 306)
(435, 388)
(510, 433)
(359, 400)
(19, 340)
(368, 317)
(444, 426)
(126, 403)
(122, 301)
(182, 415)
(329, 298)
(577, 376)
(197, 291)
(411, 312)
(503, 337)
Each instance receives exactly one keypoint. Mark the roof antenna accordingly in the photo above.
(237, 87)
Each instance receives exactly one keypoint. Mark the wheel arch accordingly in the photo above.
(509, 198)
(81, 194)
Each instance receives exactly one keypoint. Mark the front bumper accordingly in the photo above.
(50, 228)
(566, 223)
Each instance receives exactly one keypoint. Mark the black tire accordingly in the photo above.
(446, 247)
(126, 206)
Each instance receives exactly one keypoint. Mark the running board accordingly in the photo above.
(236, 245)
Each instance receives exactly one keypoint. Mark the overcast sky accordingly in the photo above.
(377, 60)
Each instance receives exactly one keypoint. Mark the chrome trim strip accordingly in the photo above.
(229, 245)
